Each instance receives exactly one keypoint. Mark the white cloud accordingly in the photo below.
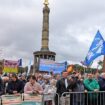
(73, 25)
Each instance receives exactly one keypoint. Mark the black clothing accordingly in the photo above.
(101, 98)
(61, 88)
(102, 84)
(15, 86)
(24, 82)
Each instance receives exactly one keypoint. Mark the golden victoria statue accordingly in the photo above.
(46, 2)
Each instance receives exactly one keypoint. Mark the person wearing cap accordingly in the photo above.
(46, 81)
(15, 86)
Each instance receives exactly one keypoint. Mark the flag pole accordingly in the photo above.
(103, 69)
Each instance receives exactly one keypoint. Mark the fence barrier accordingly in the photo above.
(83, 98)
(0, 101)
(51, 99)
(67, 98)
(29, 99)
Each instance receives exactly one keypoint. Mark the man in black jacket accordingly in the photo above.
(62, 86)
(15, 86)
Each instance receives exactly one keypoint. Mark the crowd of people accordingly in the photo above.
(44, 83)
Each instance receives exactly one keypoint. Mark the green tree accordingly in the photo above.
(100, 64)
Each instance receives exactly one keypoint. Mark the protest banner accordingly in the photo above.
(52, 66)
(32, 99)
(11, 100)
(10, 66)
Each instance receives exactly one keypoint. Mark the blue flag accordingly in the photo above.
(97, 48)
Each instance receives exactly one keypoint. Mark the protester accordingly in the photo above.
(76, 85)
(49, 91)
(51, 88)
(20, 76)
(10, 76)
(23, 79)
(62, 86)
(40, 79)
(102, 88)
(83, 90)
(15, 86)
(32, 86)
(58, 77)
(92, 85)
(46, 81)
(97, 76)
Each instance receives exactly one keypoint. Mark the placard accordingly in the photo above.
(32, 97)
(11, 100)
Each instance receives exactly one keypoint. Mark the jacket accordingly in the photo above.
(60, 85)
(91, 85)
(15, 86)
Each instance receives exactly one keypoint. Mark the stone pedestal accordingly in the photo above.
(42, 55)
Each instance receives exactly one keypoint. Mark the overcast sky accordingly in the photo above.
(73, 25)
